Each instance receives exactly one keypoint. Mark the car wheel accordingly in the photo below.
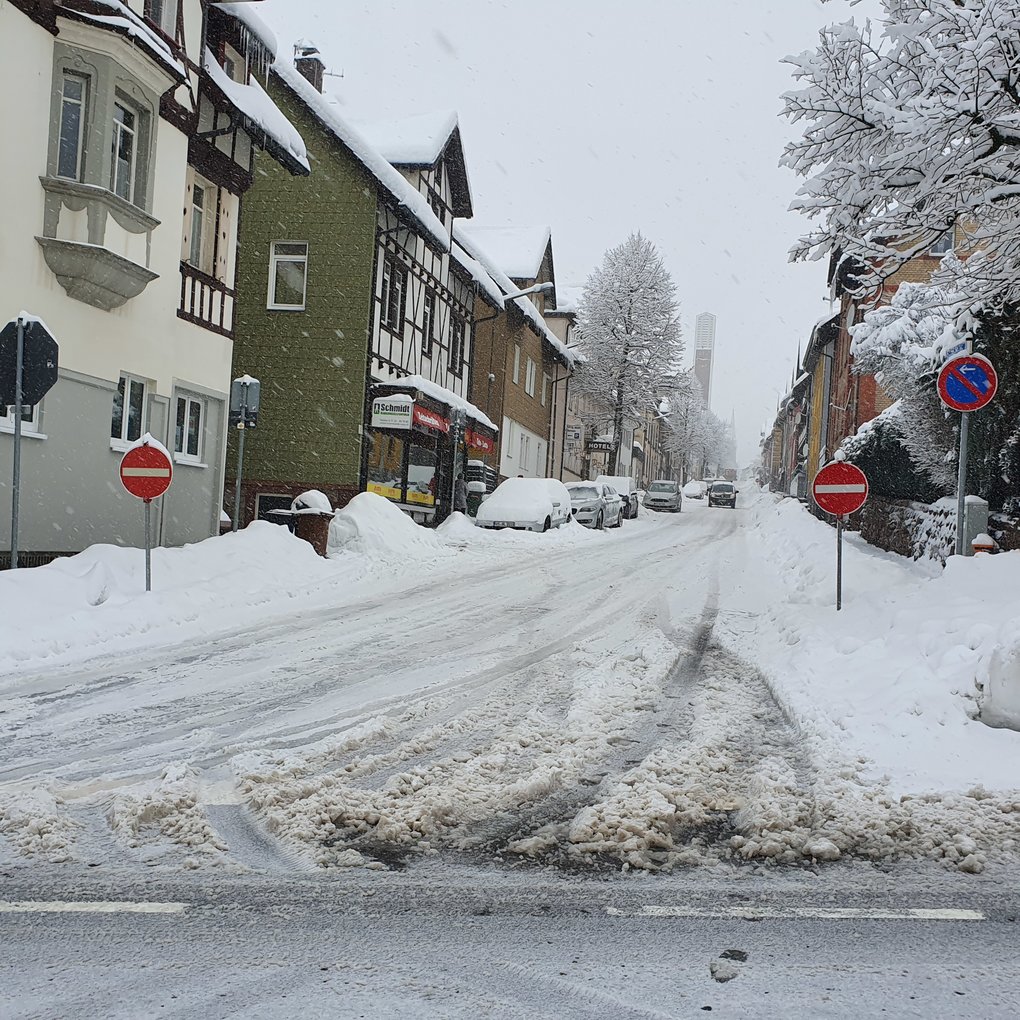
(547, 525)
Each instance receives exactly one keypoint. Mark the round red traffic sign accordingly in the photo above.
(146, 471)
(840, 488)
(967, 383)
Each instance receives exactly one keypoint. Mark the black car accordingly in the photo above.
(722, 494)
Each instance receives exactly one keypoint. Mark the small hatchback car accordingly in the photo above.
(663, 494)
(722, 494)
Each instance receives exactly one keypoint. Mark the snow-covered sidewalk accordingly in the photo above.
(894, 680)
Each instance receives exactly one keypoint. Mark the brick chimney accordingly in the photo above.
(309, 63)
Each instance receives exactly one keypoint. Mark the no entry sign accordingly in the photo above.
(146, 471)
(840, 488)
(967, 383)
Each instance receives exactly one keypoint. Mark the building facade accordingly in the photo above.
(136, 138)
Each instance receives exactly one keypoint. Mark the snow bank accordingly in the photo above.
(372, 526)
(96, 601)
(899, 676)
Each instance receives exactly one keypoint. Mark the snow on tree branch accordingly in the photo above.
(911, 130)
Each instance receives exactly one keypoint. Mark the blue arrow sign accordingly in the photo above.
(967, 383)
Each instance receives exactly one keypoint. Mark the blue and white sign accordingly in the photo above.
(967, 383)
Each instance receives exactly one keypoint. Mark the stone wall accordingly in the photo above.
(917, 530)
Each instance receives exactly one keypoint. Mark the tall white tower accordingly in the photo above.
(704, 349)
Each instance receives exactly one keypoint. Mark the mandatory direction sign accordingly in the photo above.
(146, 471)
(840, 488)
(967, 383)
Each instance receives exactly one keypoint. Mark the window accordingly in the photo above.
(428, 323)
(70, 147)
(288, 275)
(125, 127)
(29, 417)
(517, 364)
(199, 200)
(128, 420)
(529, 379)
(457, 328)
(437, 206)
(545, 388)
(394, 294)
(525, 450)
(163, 13)
(188, 428)
(943, 245)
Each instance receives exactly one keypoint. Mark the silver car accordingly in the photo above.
(664, 494)
(596, 505)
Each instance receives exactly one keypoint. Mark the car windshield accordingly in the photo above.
(580, 493)
(662, 487)
(722, 487)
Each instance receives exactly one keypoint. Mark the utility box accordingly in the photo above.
(975, 522)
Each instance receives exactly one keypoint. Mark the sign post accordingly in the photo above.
(966, 383)
(146, 471)
(244, 415)
(840, 489)
(28, 368)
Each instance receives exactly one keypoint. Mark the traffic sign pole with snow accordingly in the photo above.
(146, 471)
(840, 489)
(28, 368)
(966, 383)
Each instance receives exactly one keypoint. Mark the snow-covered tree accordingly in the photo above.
(696, 435)
(629, 319)
(911, 131)
(903, 345)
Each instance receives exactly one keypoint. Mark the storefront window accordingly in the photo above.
(386, 466)
(421, 475)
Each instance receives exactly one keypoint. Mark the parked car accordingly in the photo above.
(526, 504)
(596, 505)
(722, 494)
(664, 494)
(627, 489)
(695, 490)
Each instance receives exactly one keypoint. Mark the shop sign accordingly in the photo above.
(476, 441)
(392, 412)
(601, 446)
(430, 420)
(389, 491)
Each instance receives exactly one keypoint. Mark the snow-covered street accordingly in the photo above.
(635, 699)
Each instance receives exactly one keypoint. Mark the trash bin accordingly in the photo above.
(313, 527)
(475, 492)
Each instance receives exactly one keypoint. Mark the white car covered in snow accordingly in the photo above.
(526, 504)
(695, 490)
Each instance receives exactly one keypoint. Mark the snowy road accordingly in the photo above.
(560, 701)
(518, 776)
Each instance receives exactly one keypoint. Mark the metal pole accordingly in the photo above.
(16, 483)
(237, 483)
(961, 484)
(839, 563)
(148, 545)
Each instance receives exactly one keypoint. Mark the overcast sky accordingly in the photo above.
(599, 118)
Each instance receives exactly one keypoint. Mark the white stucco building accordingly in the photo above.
(129, 134)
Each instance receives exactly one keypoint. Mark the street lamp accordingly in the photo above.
(538, 288)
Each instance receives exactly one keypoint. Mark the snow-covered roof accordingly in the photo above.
(374, 162)
(131, 24)
(518, 251)
(486, 284)
(444, 396)
(252, 101)
(507, 286)
(245, 13)
(568, 300)
(418, 140)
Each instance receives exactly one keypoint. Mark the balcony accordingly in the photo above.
(206, 301)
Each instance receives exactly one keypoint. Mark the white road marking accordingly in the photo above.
(842, 488)
(88, 907)
(803, 913)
